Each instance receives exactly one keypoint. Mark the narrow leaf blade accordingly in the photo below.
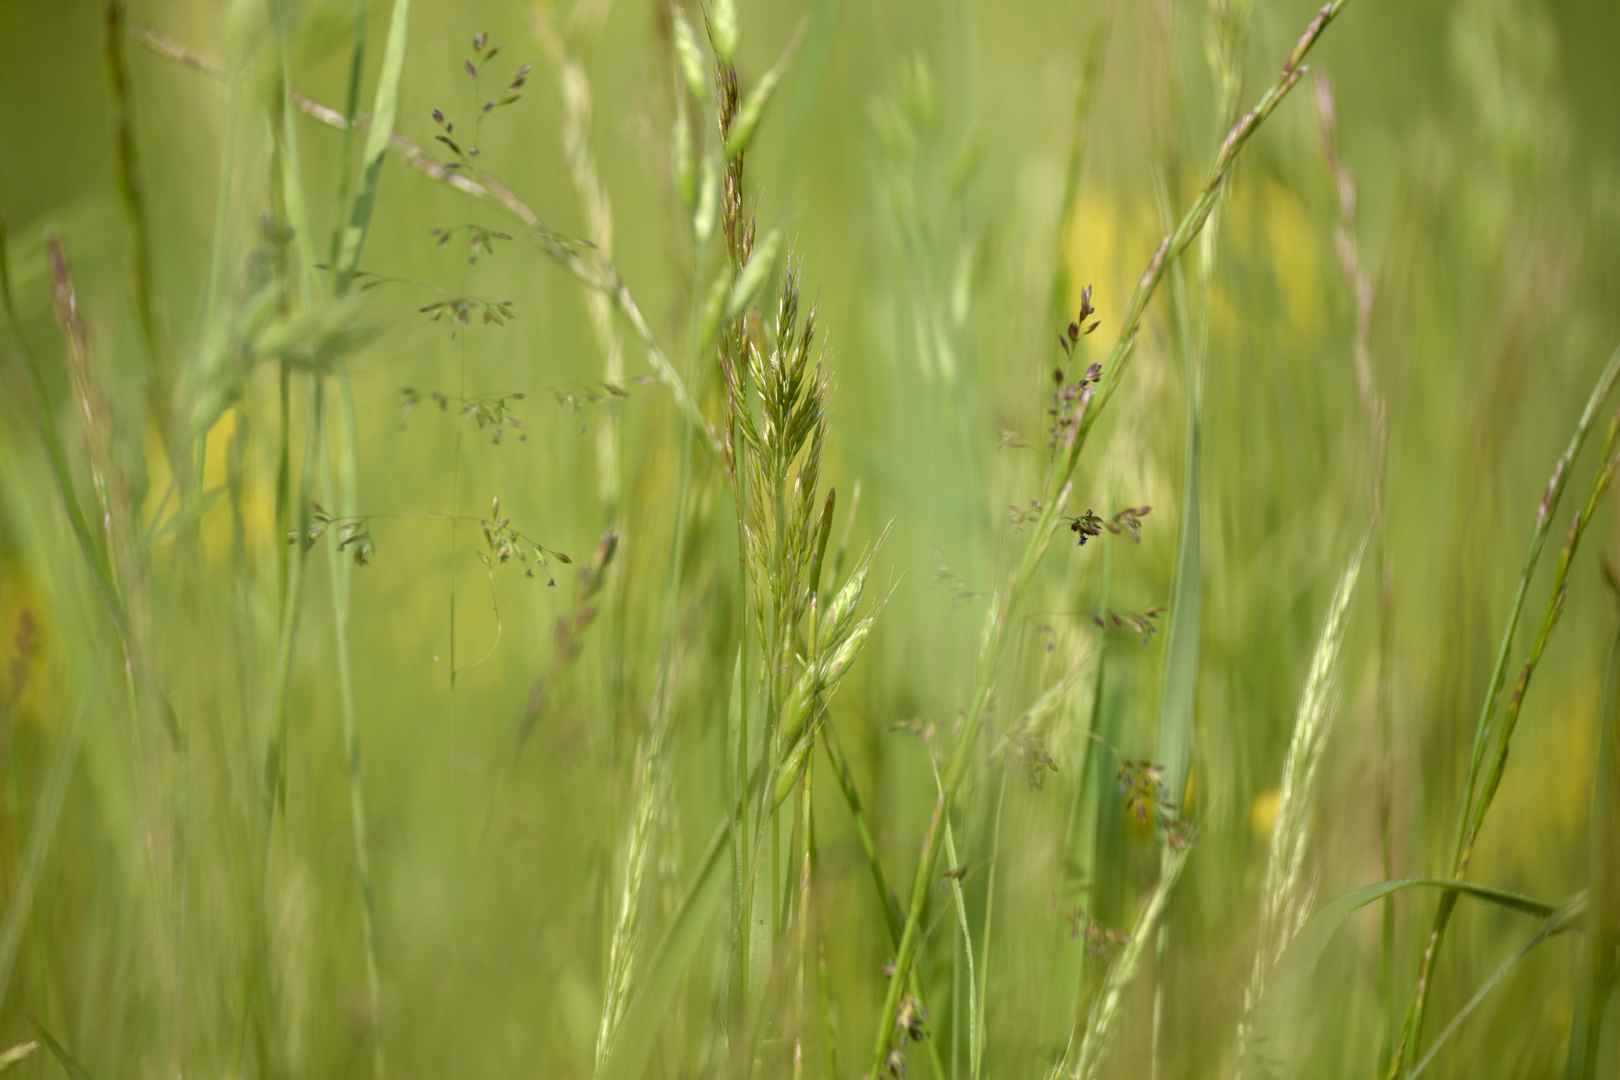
(73, 1068)
(1276, 1028)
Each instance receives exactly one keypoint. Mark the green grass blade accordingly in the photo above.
(1277, 1028)
(377, 139)
(1559, 921)
(63, 1058)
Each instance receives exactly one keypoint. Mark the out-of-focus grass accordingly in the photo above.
(914, 158)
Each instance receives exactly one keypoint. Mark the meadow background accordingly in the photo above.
(948, 199)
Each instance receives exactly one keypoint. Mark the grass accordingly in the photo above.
(800, 706)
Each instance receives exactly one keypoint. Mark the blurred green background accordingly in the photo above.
(915, 158)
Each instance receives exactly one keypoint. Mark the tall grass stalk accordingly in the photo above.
(1568, 916)
(1040, 534)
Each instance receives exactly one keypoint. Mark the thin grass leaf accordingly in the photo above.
(377, 140)
(1278, 1030)
(63, 1058)
(1565, 918)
